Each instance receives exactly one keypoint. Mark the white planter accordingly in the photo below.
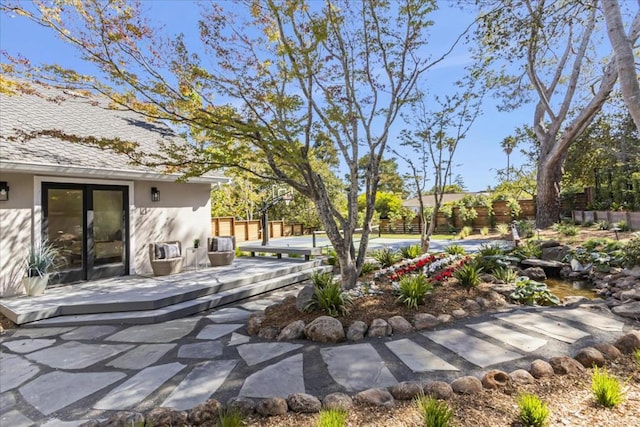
(35, 285)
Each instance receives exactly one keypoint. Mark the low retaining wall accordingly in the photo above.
(632, 218)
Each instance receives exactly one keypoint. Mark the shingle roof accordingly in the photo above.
(430, 201)
(83, 116)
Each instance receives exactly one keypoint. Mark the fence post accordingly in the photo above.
(313, 233)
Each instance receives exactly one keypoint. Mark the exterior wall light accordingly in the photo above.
(4, 191)
(155, 194)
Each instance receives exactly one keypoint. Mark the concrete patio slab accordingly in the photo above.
(15, 418)
(14, 371)
(213, 332)
(587, 317)
(137, 388)
(27, 346)
(56, 390)
(357, 367)
(201, 350)
(543, 325)
(40, 332)
(7, 402)
(417, 358)
(227, 315)
(158, 333)
(515, 339)
(89, 332)
(237, 339)
(475, 350)
(142, 356)
(76, 355)
(199, 384)
(278, 380)
(254, 354)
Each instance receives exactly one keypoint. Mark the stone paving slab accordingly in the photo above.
(213, 332)
(76, 355)
(201, 350)
(138, 387)
(89, 332)
(199, 384)
(515, 339)
(357, 367)
(278, 380)
(56, 390)
(475, 350)
(15, 419)
(254, 354)
(7, 402)
(417, 358)
(39, 332)
(14, 371)
(237, 339)
(543, 325)
(142, 356)
(156, 333)
(29, 345)
(54, 422)
(228, 315)
(587, 317)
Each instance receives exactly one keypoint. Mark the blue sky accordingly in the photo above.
(478, 156)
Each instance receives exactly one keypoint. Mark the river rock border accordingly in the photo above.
(208, 412)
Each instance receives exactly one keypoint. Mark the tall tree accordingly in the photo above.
(549, 49)
(625, 61)
(508, 144)
(285, 84)
(390, 180)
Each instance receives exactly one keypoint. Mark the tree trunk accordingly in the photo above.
(348, 271)
(548, 194)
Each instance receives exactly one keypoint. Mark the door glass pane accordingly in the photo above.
(65, 226)
(108, 227)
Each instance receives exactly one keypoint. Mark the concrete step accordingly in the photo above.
(182, 309)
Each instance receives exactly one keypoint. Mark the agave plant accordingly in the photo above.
(41, 259)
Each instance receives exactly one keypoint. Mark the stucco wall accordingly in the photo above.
(15, 231)
(183, 213)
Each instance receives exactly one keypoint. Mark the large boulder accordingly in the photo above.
(400, 325)
(438, 389)
(206, 413)
(467, 385)
(166, 417)
(375, 397)
(272, 406)
(631, 294)
(304, 296)
(496, 379)
(304, 403)
(589, 356)
(629, 342)
(379, 328)
(356, 331)
(405, 390)
(122, 418)
(293, 331)
(325, 329)
(555, 253)
(269, 333)
(535, 273)
(424, 321)
(459, 313)
(254, 323)
(540, 369)
(337, 401)
(609, 351)
(565, 365)
(521, 376)
(444, 318)
(630, 309)
(243, 405)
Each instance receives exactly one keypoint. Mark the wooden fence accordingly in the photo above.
(245, 230)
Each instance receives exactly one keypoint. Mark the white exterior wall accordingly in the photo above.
(183, 213)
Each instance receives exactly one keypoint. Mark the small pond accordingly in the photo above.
(564, 288)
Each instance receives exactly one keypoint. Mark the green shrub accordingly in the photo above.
(386, 257)
(332, 257)
(411, 252)
(587, 223)
(636, 356)
(622, 225)
(505, 274)
(514, 207)
(332, 418)
(606, 388)
(412, 290)
(503, 230)
(322, 279)
(484, 231)
(531, 292)
(465, 232)
(631, 252)
(229, 418)
(528, 249)
(603, 225)
(331, 299)
(525, 228)
(490, 250)
(367, 268)
(455, 250)
(467, 215)
(435, 413)
(468, 276)
(533, 412)
(565, 229)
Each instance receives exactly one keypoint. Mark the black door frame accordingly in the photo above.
(88, 270)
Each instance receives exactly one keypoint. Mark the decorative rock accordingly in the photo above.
(549, 244)
(438, 389)
(504, 289)
(166, 417)
(634, 272)
(459, 313)
(631, 310)
(272, 406)
(535, 273)
(631, 294)
(337, 401)
(554, 253)
(574, 299)
(540, 369)
(375, 397)
(424, 321)
(467, 385)
(293, 331)
(400, 325)
(564, 365)
(405, 390)
(471, 305)
(304, 296)
(356, 331)
(124, 418)
(495, 379)
(97, 423)
(444, 318)
(254, 323)
(270, 309)
(289, 299)
(609, 351)
(487, 278)
(628, 343)
(325, 329)
(304, 403)
(379, 328)
(243, 405)
(496, 298)
(589, 356)
(565, 271)
(483, 303)
(269, 333)
(520, 376)
(206, 413)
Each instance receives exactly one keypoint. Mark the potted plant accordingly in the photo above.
(196, 243)
(40, 263)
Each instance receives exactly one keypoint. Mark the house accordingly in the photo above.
(429, 200)
(100, 209)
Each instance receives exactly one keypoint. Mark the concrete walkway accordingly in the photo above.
(62, 376)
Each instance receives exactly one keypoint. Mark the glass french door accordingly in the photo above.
(89, 225)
